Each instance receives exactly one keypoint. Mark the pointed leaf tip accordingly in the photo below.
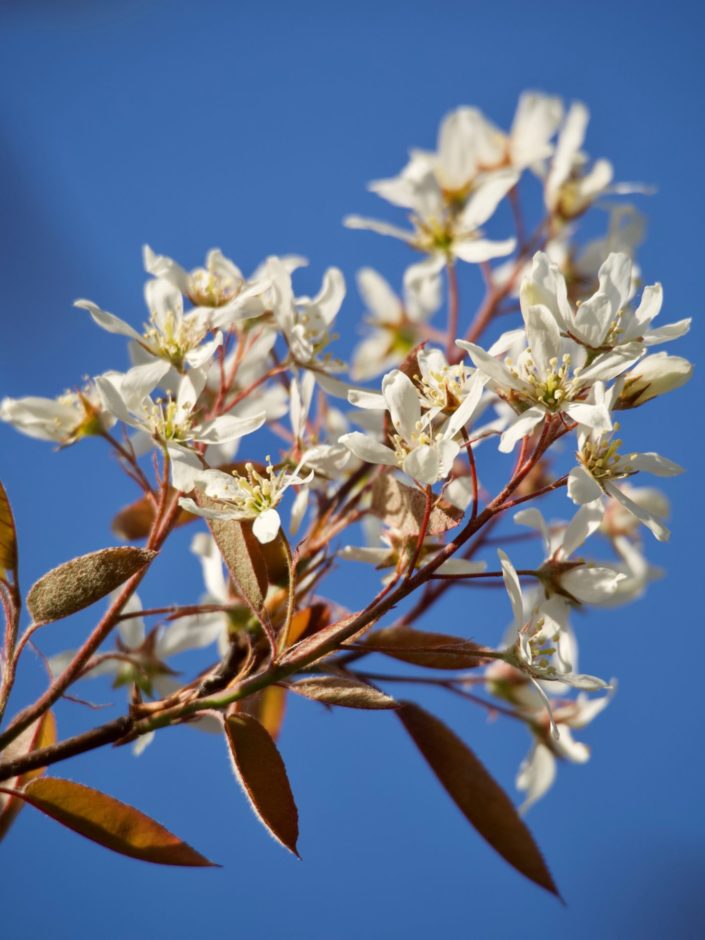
(261, 772)
(110, 823)
(476, 794)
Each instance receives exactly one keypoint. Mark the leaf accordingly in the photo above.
(109, 822)
(262, 775)
(403, 508)
(476, 794)
(267, 706)
(243, 556)
(349, 693)
(307, 622)
(134, 522)
(430, 650)
(8, 534)
(83, 581)
(38, 735)
(325, 636)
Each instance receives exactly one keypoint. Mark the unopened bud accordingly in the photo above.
(654, 376)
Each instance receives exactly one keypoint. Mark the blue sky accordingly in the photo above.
(255, 128)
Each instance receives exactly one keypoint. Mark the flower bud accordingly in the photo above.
(654, 376)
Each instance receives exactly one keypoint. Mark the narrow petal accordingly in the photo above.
(524, 424)
(582, 486)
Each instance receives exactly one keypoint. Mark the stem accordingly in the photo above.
(453, 309)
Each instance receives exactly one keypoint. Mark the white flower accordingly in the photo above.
(173, 422)
(252, 495)
(553, 374)
(171, 334)
(395, 321)
(304, 321)
(655, 375)
(442, 228)
(570, 188)
(583, 582)
(536, 643)
(65, 419)
(601, 466)
(421, 450)
(219, 288)
(538, 770)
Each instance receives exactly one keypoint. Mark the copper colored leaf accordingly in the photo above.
(327, 639)
(431, 650)
(479, 798)
(307, 622)
(109, 822)
(403, 508)
(243, 556)
(267, 706)
(8, 534)
(262, 774)
(350, 693)
(38, 735)
(83, 581)
(134, 522)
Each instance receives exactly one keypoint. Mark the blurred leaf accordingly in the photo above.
(262, 775)
(109, 822)
(349, 693)
(37, 736)
(83, 581)
(479, 798)
(308, 622)
(134, 522)
(403, 508)
(8, 534)
(267, 706)
(431, 650)
(311, 643)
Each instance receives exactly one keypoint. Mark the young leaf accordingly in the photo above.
(38, 735)
(312, 642)
(262, 775)
(243, 556)
(431, 650)
(109, 822)
(350, 693)
(476, 794)
(134, 522)
(83, 581)
(8, 534)
(403, 508)
(267, 706)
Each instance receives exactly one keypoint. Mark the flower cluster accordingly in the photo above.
(227, 363)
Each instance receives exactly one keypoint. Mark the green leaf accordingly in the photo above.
(83, 581)
(476, 794)
(109, 822)
(348, 693)
(38, 735)
(430, 650)
(8, 534)
(261, 772)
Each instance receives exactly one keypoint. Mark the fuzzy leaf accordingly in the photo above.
(326, 636)
(403, 507)
(262, 775)
(83, 581)
(267, 706)
(109, 822)
(243, 556)
(8, 534)
(134, 522)
(350, 693)
(476, 794)
(431, 650)
(38, 735)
